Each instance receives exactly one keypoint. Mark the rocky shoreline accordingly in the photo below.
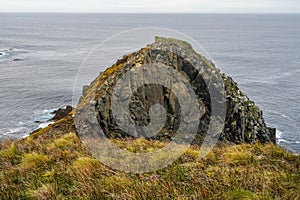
(61, 113)
(55, 163)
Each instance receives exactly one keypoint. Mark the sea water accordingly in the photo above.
(40, 55)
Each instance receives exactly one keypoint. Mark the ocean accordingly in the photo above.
(40, 55)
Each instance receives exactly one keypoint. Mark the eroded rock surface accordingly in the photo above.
(243, 121)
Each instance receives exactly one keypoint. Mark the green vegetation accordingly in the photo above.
(92, 92)
(52, 163)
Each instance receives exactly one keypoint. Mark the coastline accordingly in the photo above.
(54, 162)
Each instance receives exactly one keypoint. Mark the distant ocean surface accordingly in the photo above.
(40, 55)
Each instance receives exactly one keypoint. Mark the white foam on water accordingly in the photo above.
(279, 137)
(44, 125)
(43, 115)
(4, 53)
(278, 134)
(14, 132)
(24, 128)
(284, 143)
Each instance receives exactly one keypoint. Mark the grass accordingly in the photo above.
(92, 93)
(53, 164)
(240, 195)
(33, 161)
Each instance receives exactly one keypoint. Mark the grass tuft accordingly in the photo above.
(240, 195)
(34, 161)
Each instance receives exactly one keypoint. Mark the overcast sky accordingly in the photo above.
(195, 6)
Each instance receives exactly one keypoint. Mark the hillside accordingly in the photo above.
(53, 164)
(57, 162)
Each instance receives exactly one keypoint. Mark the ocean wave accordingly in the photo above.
(282, 115)
(270, 79)
(280, 139)
(4, 53)
(14, 133)
(44, 125)
(279, 134)
(24, 128)
(286, 144)
(43, 115)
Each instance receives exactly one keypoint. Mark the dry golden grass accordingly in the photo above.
(53, 164)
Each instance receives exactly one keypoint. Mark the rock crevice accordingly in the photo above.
(244, 121)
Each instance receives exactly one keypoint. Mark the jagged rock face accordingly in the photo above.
(243, 121)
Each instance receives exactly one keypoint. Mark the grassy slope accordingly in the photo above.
(53, 164)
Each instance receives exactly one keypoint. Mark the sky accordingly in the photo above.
(150, 6)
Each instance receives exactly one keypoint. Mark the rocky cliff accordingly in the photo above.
(54, 163)
(243, 120)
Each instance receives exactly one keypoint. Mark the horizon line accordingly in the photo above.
(66, 12)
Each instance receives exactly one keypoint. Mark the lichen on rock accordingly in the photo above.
(243, 121)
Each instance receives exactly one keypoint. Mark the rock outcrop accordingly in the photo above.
(243, 121)
(61, 113)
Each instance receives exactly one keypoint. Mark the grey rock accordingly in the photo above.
(244, 121)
